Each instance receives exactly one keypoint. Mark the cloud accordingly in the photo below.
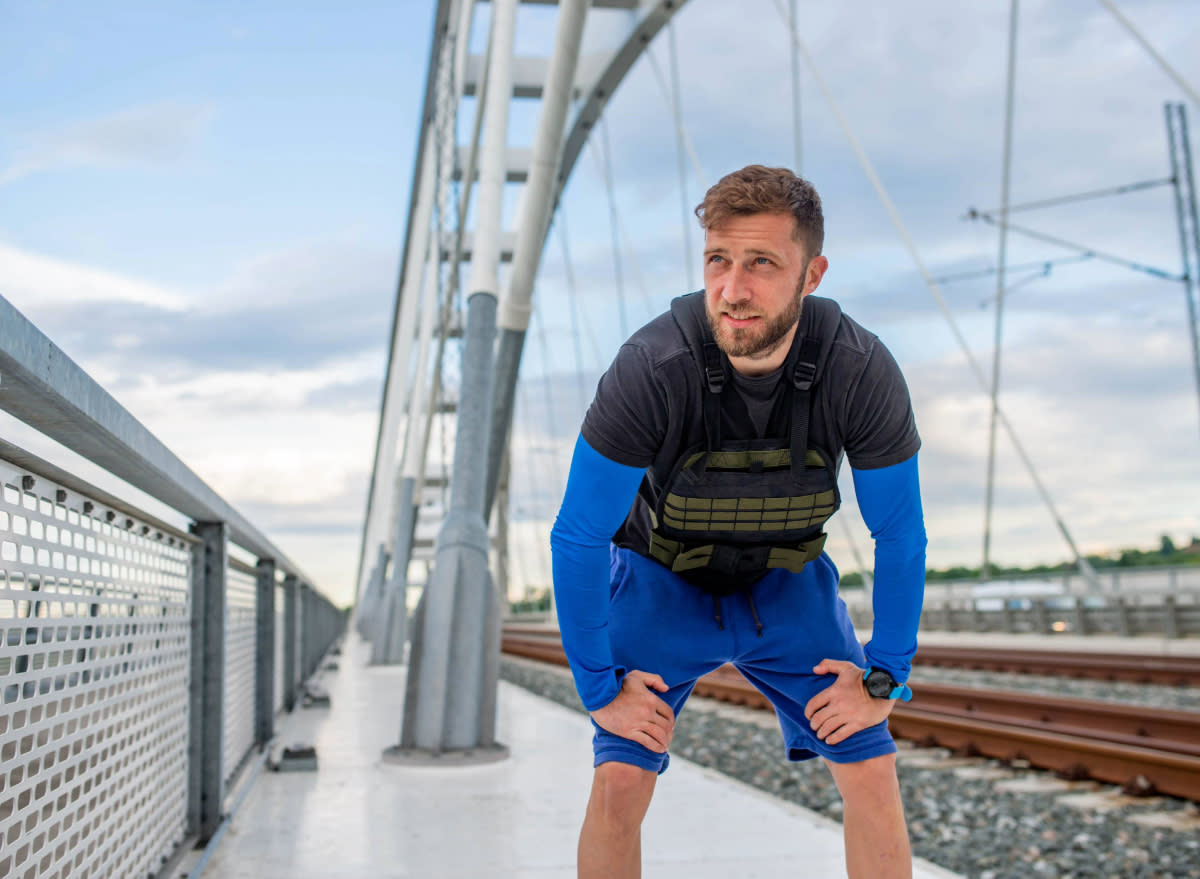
(291, 309)
(269, 389)
(30, 279)
(151, 134)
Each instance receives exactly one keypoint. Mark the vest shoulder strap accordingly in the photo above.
(689, 314)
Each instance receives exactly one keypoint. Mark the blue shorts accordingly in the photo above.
(659, 623)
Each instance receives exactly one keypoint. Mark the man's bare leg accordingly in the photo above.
(610, 844)
(873, 819)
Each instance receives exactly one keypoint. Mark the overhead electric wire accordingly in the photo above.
(1044, 264)
(1081, 248)
(1083, 196)
(1162, 62)
(940, 300)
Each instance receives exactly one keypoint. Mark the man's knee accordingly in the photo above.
(872, 778)
(621, 792)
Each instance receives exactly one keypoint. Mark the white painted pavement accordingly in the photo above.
(359, 818)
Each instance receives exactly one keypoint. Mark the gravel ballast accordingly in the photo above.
(981, 818)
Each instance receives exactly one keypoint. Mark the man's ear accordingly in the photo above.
(817, 266)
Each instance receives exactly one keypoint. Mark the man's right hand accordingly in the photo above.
(639, 715)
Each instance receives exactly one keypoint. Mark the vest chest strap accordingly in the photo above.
(729, 559)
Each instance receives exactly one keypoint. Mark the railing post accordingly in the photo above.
(206, 779)
(1082, 626)
(1170, 617)
(1041, 620)
(1009, 624)
(1124, 617)
(290, 618)
(264, 661)
(306, 631)
(977, 617)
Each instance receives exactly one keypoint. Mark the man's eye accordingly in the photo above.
(762, 261)
(716, 257)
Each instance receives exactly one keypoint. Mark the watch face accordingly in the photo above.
(880, 684)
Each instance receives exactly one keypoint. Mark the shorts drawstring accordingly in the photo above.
(754, 612)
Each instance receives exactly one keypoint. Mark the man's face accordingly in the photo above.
(756, 276)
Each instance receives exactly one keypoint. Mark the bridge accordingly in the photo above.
(160, 652)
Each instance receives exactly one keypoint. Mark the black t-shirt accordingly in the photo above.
(647, 411)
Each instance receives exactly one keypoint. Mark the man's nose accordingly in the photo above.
(736, 287)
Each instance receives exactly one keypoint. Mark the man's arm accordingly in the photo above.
(598, 497)
(889, 499)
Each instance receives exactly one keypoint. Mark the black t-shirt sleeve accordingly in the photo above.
(880, 429)
(628, 416)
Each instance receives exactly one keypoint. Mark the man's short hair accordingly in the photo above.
(757, 189)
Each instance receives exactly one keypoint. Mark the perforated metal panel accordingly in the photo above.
(280, 634)
(94, 664)
(238, 689)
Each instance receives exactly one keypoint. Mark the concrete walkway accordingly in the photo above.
(360, 818)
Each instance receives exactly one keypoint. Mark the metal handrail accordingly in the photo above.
(46, 389)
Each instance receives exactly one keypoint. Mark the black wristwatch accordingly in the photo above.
(881, 685)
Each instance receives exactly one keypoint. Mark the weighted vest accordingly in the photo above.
(731, 511)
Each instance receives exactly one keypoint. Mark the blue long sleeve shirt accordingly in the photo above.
(598, 497)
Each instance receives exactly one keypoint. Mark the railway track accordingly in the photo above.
(1139, 668)
(1146, 751)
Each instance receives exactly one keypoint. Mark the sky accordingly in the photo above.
(204, 205)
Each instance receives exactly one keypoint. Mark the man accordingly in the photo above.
(707, 463)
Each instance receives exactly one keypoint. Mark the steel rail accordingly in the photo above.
(1142, 668)
(1145, 751)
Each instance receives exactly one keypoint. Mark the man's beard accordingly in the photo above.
(761, 339)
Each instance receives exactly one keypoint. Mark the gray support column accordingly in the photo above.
(396, 386)
(450, 709)
(540, 195)
(388, 646)
(206, 778)
(500, 567)
(291, 586)
(451, 697)
(1187, 221)
(372, 595)
(264, 660)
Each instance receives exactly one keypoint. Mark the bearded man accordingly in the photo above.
(691, 532)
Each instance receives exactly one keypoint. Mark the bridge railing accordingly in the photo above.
(1158, 579)
(142, 663)
(1163, 614)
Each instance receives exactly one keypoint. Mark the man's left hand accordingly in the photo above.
(844, 707)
